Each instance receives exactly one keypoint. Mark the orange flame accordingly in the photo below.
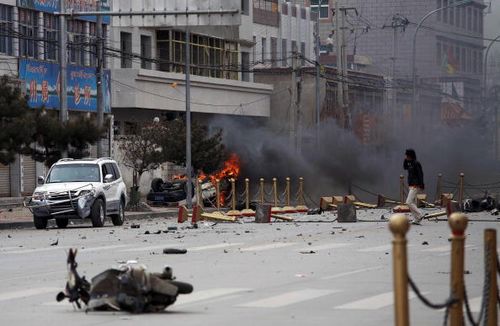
(231, 169)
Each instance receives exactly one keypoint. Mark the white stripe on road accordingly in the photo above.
(270, 246)
(166, 245)
(325, 246)
(444, 248)
(352, 272)
(475, 304)
(28, 251)
(215, 246)
(103, 248)
(27, 293)
(287, 299)
(376, 249)
(208, 294)
(372, 303)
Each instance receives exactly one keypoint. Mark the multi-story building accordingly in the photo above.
(29, 56)
(148, 76)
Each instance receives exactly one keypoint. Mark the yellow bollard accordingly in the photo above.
(402, 189)
(461, 191)
(301, 207)
(399, 226)
(288, 208)
(490, 249)
(458, 224)
(234, 195)
(439, 188)
(262, 191)
(247, 211)
(276, 208)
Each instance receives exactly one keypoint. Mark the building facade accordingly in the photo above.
(29, 56)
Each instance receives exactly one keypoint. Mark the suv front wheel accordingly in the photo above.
(97, 213)
(40, 222)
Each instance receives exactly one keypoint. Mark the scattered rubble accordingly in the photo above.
(55, 243)
(135, 226)
(174, 251)
(425, 243)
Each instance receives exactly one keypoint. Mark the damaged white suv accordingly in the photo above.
(84, 188)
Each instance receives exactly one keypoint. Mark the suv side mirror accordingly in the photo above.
(40, 180)
(108, 178)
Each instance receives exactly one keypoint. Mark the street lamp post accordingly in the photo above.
(485, 93)
(414, 54)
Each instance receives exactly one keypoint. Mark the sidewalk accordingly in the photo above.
(18, 217)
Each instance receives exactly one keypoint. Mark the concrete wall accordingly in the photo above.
(157, 90)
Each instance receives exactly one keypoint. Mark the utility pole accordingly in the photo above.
(99, 78)
(341, 43)
(318, 94)
(189, 196)
(293, 104)
(63, 62)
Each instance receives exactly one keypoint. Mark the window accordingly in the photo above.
(163, 50)
(117, 171)
(469, 18)
(303, 52)
(439, 55)
(145, 52)
(254, 49)
(211, 57)
(445, 11)
(463, 20)
(474, 20)
(451, 12)
(267, 5)
(245, 66)
(126, 49)
(439, 13)
(77, 42)
(263, 49)
(274, 51)
(480, 22)
(108, 168)
(28, 33)
(78, 172)
(458, 12)
(474, 61)
(50, 26)
(5, 29)
(321, 6)
(463, 65)
(93, 44)
(245, 10)
(284, 53)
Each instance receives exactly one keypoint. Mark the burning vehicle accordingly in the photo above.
(175, 191)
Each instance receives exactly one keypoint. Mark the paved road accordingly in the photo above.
(249, 274)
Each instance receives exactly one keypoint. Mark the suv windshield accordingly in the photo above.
(74, 173)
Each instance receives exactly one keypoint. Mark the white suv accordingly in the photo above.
(79, 189)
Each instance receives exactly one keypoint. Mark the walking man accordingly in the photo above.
(415, 183)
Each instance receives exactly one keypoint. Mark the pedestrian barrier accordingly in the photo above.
(281, 202)
(454, 304)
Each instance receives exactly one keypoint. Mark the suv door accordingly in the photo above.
(111, 189)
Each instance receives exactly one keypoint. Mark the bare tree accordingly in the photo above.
(142, 152)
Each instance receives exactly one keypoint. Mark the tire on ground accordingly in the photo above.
(62, 222)
(40, 222)
(97, 213)
(119, 218)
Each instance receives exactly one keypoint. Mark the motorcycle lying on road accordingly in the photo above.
(128, 288)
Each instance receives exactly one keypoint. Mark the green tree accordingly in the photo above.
(15, 121)
(208, 153)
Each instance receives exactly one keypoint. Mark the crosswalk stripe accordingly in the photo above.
(103, 248)
(443, 249)
(376, 249)
(352, 272)
(270, 246)
(325, 246)
(27, 293)
(149, 248)
(287, 299)
(215, 246)
(475, 304)
(203, 295)
(28, 251)
(372, 303)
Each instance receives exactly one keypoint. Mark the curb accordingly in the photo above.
(134, 217)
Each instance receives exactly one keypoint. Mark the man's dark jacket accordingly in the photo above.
(415, 173)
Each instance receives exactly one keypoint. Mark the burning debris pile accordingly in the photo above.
(175, 191)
